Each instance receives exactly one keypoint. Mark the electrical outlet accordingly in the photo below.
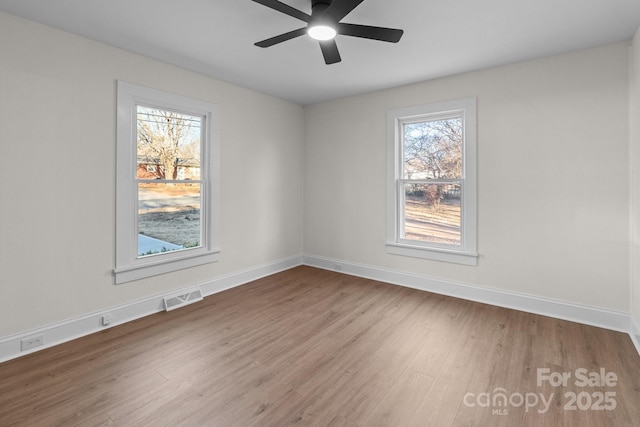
(106, 319)
(31, 342)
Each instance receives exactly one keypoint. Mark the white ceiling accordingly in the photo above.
(441, 37)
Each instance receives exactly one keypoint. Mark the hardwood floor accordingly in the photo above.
(310, 347)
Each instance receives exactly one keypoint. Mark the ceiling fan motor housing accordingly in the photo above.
(315, 3)
(317, 11)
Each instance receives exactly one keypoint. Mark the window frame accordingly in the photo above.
(129, 265)
(466, 252)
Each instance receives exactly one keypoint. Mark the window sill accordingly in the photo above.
(456, 257)
(135, 272)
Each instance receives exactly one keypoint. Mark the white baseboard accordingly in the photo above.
(635, 333)
(61, 332)
(68, 330)
(529, 303)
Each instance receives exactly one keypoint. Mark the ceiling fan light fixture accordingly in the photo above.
(324, 24)
(321, 32)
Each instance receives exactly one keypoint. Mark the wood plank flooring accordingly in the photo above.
(309, 347)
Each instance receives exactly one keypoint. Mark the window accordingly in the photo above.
(432, 181)
(167, 182)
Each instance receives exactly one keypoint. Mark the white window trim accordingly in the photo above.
(467, 254)
(129, 266)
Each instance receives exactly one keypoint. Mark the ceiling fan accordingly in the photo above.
(324, 24)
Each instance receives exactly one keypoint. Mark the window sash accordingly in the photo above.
(402, 216)
(203, 231)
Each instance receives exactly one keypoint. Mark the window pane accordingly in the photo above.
(432, 213)
(168, 145)
(433, 149)
(168, 217)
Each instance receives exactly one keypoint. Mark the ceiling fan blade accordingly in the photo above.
(338, 9)
(285, 8)
(282, 37)
(391, 35)
(330, 52)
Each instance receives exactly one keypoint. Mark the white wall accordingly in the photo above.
(57, 177)
(634, 117)
(553, 178)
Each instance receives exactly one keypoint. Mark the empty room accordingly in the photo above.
(320, 213)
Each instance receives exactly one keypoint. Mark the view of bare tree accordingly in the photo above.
(168, 148)
(432, 155)
(433, 149)
(167, 139)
